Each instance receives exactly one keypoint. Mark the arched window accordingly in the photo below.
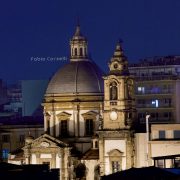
(75, 51)
(81, 51)
(96, 144)
(113, 91)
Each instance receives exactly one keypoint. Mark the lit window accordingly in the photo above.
(115, 166)
(5, 153)
(155, 90)
(141, 89)
(155, 103)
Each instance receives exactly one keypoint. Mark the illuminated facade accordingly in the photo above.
(89, 119)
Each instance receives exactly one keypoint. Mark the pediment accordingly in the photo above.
(115, 152)
(63, 115)
(90, 114)
(46, 141)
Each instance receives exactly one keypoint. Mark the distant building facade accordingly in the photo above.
(3, 94)
(157, 88)
(25, 98)
(14, 105)
(32, 96)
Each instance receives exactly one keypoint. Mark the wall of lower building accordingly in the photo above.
(140, 150)
(12, 138)
(164, 141)
(92, 169)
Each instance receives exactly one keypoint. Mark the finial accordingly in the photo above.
(78, 21)
(78, 31)
(120, 41)
(119, 50)
(119, 44)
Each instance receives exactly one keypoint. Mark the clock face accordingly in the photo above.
(113, 115)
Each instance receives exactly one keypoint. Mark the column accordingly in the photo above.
(53, 160)
(101, 156)
(52, 124)
(37, 158)
(76, 123)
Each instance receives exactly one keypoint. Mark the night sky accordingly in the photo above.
(43, 28)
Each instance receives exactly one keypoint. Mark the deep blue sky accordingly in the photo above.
(43, 28)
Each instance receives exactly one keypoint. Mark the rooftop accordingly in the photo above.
(157, 61)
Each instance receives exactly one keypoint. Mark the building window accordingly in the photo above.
(5, 153)
(80, 171)
(113, 91)
(155, 103)
(162, 135)
(167, 115)
(75, 51)
(141, 90)
(6, 138)
(177, 134)
(48, 126)
(89, 127)
(160, 163)
(115, 166)
(64, 128)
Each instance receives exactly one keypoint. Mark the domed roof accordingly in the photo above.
(77, 77)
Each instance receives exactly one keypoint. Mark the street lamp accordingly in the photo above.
(147, 137)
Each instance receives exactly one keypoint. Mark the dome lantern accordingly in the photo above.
(78, 46)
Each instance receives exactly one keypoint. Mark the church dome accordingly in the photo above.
(77, 77)
(80, 75)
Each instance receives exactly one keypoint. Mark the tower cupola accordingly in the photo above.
(118, 64)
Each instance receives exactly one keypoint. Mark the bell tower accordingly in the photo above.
(119, 103)
(116, 136)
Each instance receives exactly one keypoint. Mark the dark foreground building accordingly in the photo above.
(28, 172)
(147, 173)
